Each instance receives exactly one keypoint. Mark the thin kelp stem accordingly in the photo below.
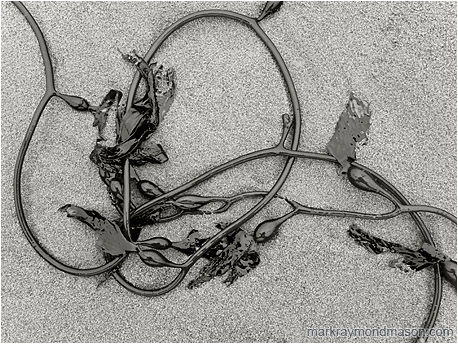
(79, 103)
(193, 208)
(194, 202)
(428, 209)
(143, 209)
(399, 209)
(299, 154)
(309, 155)
(49, 72)
(252, 23)
(342, 213)
(401, 200)
(279, 151)
(50, 92)
(126, 199)
(150, 292)
(20, 210)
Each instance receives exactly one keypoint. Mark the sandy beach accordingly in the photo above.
(399, 57)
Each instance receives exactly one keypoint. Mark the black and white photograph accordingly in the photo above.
(228, 171)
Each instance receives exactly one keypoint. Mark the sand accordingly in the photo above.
(400, 57)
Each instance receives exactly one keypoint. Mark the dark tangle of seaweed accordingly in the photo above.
(231, 251)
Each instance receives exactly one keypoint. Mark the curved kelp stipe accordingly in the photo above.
(49, 93)
(296, 111)
(231, 251)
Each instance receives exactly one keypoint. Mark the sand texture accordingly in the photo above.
(399, 57)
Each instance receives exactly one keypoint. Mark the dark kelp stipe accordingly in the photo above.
(231, 250)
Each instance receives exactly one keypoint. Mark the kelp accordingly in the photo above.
(133, 127)
(136, 125)
(269, 8)
(153, 155)
(351, 132)
(235, 255)
(232, 251)
(100, 112)
(268, 229)
(416, 260)
(112, 175)
(149, 189)
(111, 240)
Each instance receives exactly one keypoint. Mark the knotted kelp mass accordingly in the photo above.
(233, 251)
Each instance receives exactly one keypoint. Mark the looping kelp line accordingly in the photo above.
(232, 251)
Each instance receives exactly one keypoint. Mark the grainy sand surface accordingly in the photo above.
(400, 57)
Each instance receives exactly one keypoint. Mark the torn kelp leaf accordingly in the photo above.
(110, 240)
(162, 79)
(133, 128)
(100, 112)
(110, 171)
(269, 8)
(417, 260)
(194, 241)
(235, 254)
(165, 88)
(111, 175)
(237, 258)
(351, 131)
(143, 118)
(448, 269)
(372, 243)
(154, 154)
